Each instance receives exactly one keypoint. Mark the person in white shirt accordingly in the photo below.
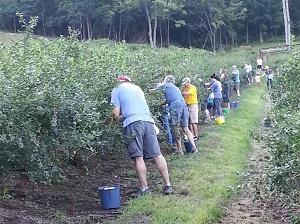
(250, 73)
(259, 64)
(257, 79)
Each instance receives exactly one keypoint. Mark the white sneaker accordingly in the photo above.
(178, 153)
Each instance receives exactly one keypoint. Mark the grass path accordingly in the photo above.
(204, 182)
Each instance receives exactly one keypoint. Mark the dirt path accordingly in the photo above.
(251, 207)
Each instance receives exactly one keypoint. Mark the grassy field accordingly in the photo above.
(204, 182)
(6, 38)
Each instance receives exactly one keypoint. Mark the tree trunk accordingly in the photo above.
(43, 20)
(125, 31)
(161, 36)
(260, 35)
(120, 26)
(110, 28)
(205, 41)
(287, 23)
(149, 25)
(168, 33)
(247, 33)
(15, 26)
(88, 26)
(220, 38)
(154, 32)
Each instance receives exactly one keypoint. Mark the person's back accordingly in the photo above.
(132, 102)
(216, 87)
(172, 93)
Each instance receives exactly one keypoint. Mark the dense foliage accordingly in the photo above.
(285, 137)
(55, 94)
(210, 24)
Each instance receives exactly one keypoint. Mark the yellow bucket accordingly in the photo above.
(220, 120)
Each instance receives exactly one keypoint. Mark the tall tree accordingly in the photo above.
(287, 23)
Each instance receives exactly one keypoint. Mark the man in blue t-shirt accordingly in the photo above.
(130, 106)
(236, 78)
(178, 112)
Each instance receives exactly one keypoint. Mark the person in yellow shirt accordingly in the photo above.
(189, 93)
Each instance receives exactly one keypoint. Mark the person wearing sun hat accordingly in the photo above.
(139, 132)
(269, 76)
(189, 93)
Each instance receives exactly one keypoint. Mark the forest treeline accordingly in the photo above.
(209, 24)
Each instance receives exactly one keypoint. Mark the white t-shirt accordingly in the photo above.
(259, 61)
(257, 78)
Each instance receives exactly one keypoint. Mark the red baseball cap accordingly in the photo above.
(123, 78)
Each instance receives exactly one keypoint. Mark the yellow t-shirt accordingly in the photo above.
(192, 98)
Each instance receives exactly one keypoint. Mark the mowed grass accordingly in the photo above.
(204, 182)
(7, 38)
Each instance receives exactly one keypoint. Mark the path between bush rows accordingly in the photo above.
(250, 207)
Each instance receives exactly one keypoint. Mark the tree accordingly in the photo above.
(287, 23)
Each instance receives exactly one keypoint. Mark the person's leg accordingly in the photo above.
(193, 119)
(185, 129)
(237, 86)
(162, 167)
(177, 135)
(214, 108)
(166, 123)
(217, 102)
(207, 114)
(190, 136)
(175, 115)
(195, 130)
(141, 171)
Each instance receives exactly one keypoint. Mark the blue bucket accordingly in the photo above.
(232, 104)
(267, 123)
(236, 103)
(188, 146)
(110, 197)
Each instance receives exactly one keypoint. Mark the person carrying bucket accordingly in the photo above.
(139, 132)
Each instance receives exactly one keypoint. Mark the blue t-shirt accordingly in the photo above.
(131, 100)
(216, 87)
(236, 75)
(172, 93)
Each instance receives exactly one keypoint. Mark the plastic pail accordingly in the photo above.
(232, 104)
(220, 120)
(226, 110)
(236, 103)
(110, 196)
(267, 123)
(188, 146)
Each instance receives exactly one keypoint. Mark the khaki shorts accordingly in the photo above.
(193, 113)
